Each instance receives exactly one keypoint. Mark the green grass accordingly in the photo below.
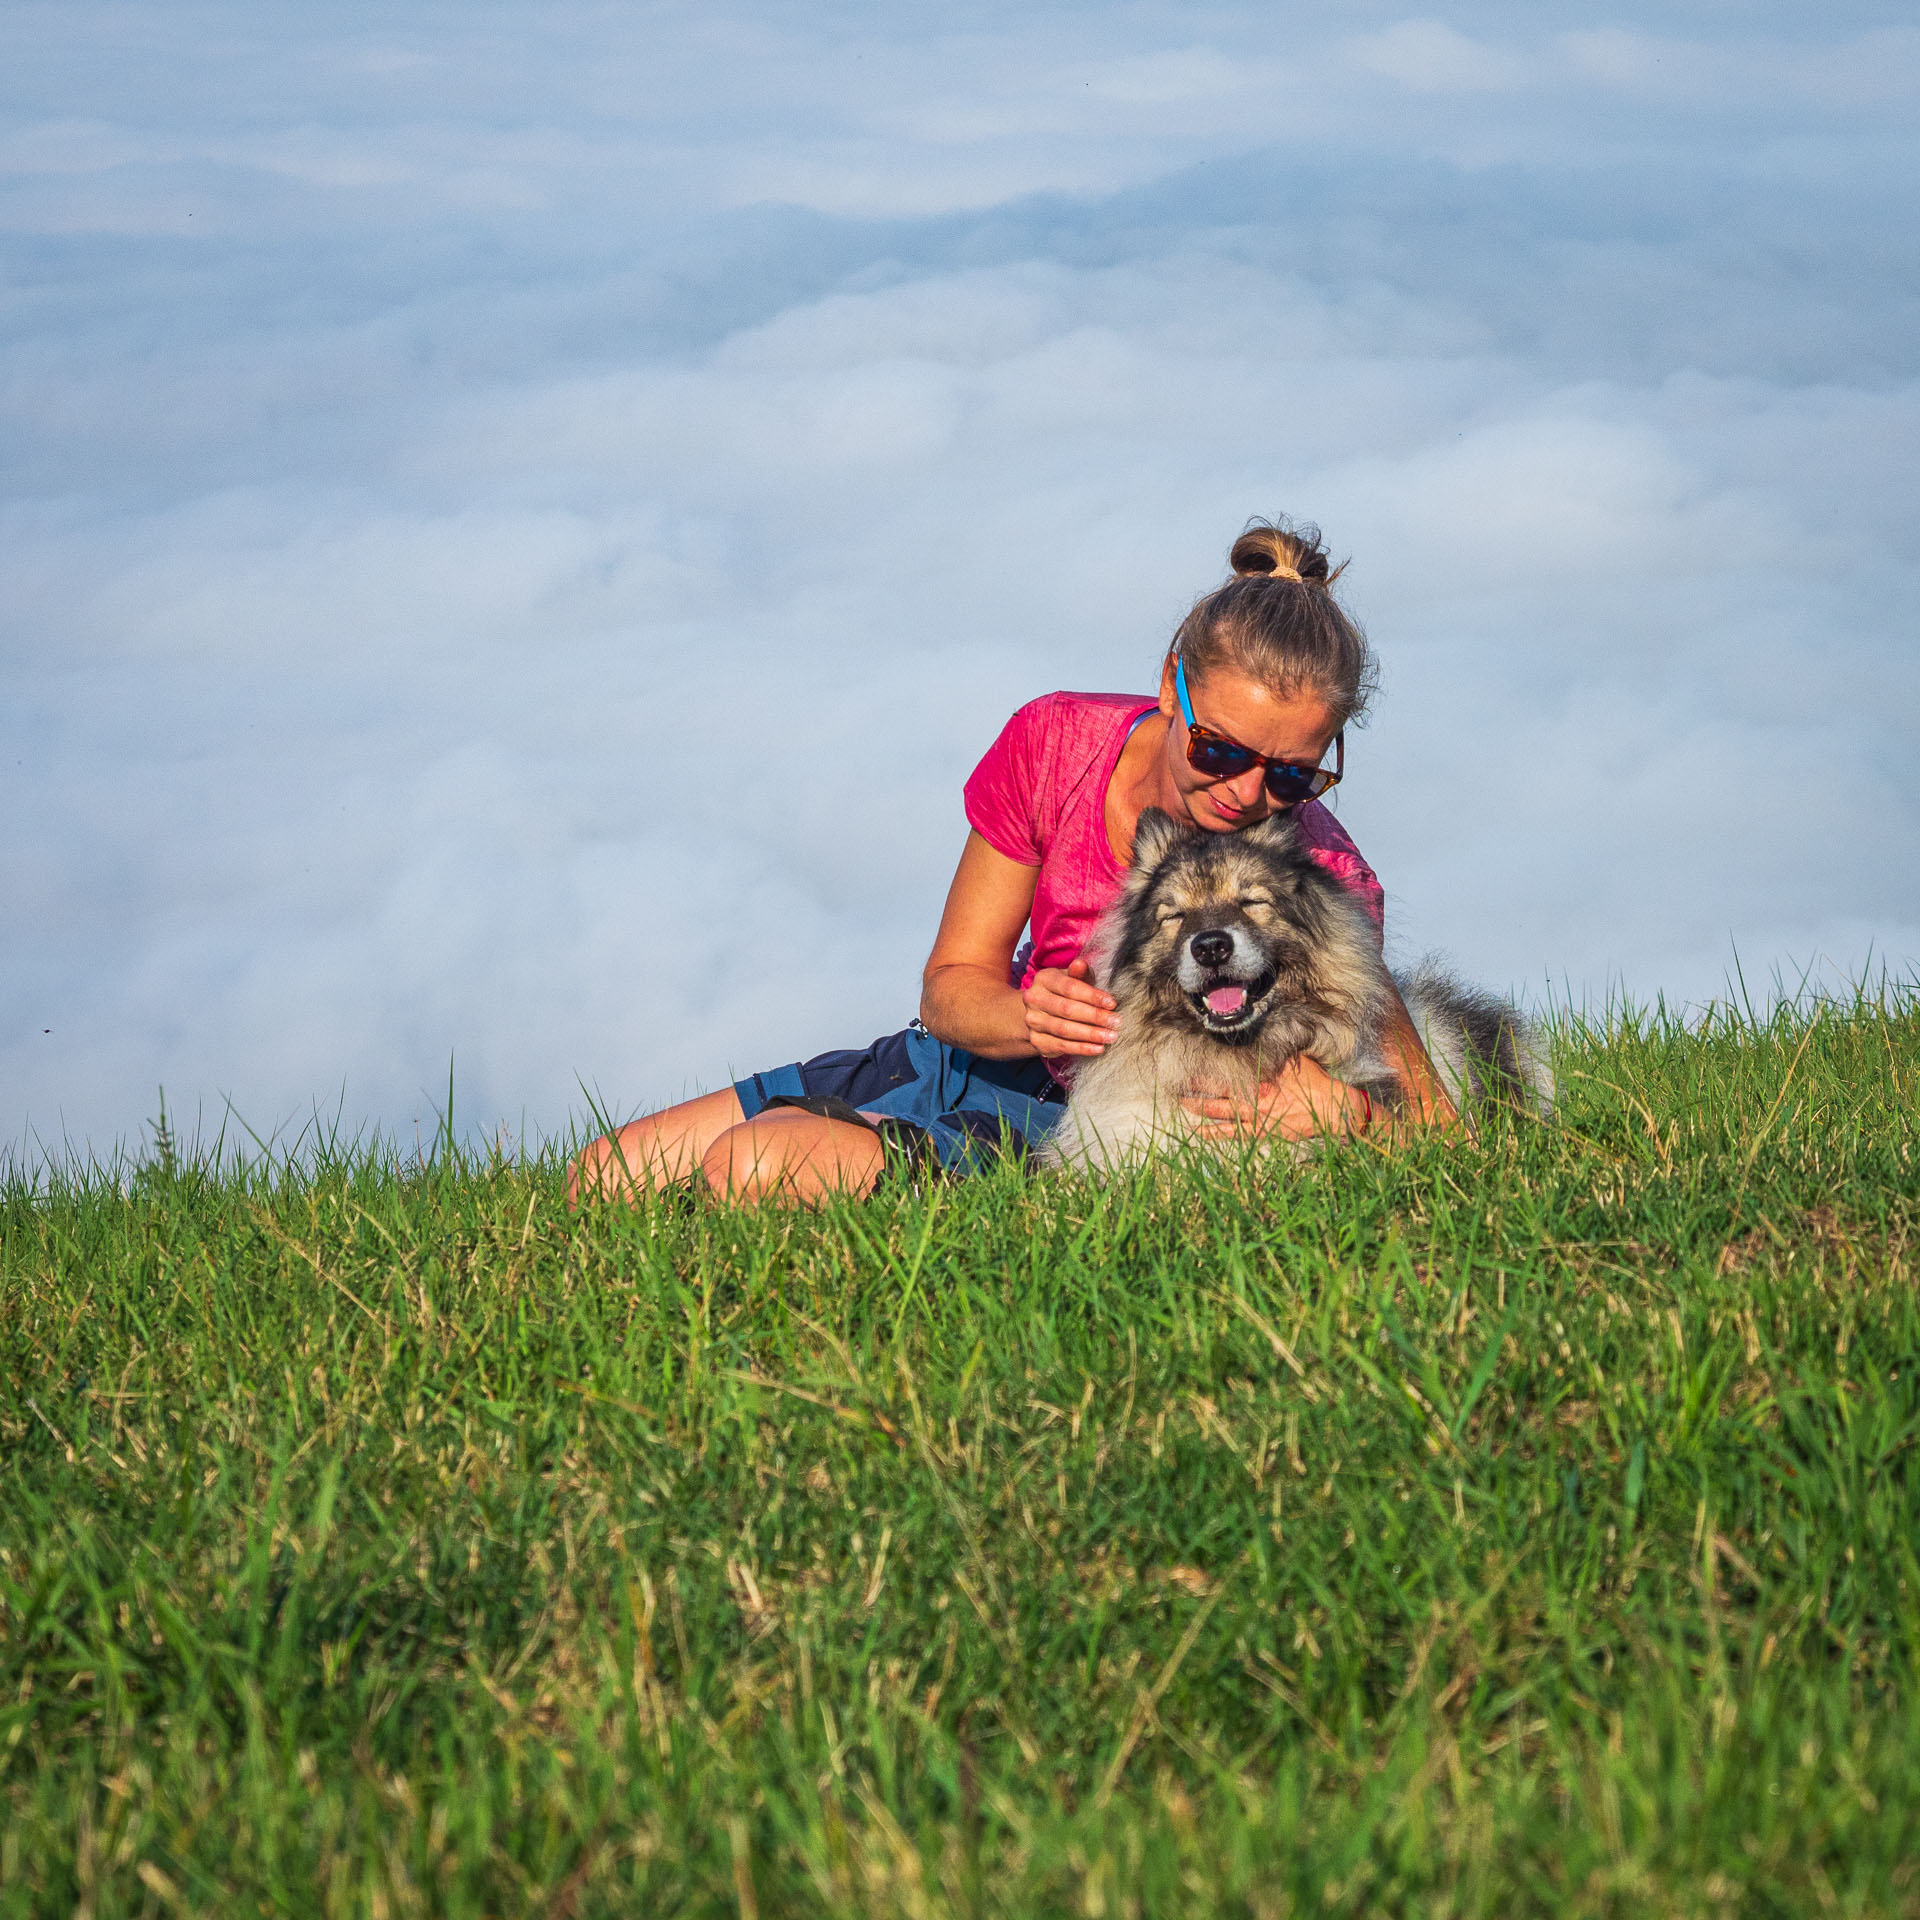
(1518, 1526)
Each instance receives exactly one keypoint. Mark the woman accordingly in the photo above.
(1258, 686)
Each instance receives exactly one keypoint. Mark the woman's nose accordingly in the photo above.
(1248, 789)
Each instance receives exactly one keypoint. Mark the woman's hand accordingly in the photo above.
(1067, 1013)
(1301, 1101)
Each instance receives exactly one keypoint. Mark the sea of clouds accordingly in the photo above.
(516, 522)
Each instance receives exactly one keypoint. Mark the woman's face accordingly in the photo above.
(1245, 711)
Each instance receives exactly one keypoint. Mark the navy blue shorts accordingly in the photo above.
(969, 1109)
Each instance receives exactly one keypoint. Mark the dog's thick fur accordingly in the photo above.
(1229, 954)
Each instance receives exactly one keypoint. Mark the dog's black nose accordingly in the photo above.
(1212, 948)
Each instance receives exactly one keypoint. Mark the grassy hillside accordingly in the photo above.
(1520, 1526)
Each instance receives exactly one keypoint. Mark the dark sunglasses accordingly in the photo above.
(1219, 758)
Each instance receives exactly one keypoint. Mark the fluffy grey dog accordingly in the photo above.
(1228, 954)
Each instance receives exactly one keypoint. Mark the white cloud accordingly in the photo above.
(1428, 56)
(548, 626)
(1867, 69)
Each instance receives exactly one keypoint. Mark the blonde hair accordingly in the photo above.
(1277, 622)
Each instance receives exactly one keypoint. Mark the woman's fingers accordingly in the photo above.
(1071, 984)
(1066, 1036)
(1080, 975)
(1288, 1110)
(1067, 1015)
(1068, 1018)
(1092, 1032)
(1069, 1029)
(1097, 1019)
(1066, 1007)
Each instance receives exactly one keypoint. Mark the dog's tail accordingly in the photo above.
(1481, 1046)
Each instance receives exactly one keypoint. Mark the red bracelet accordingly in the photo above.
(1367, 1118)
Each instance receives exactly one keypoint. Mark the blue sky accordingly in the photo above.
(516, 522)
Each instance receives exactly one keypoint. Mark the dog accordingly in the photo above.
(1230, 953)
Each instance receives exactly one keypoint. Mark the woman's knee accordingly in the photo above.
(613, 1165)
(745, 1161)
(791, 1157)
(658, 1150)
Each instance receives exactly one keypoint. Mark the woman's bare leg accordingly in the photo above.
(792, 1158)
(656, 1151)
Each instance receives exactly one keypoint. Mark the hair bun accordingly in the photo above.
(1290, 642)
(1281, 551)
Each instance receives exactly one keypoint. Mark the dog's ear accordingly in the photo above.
(1277, 833)
(1155, 835)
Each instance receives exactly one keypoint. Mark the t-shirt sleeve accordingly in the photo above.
(1330, 846)
(1002, 790)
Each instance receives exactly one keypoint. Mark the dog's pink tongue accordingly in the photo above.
(1227, 1000)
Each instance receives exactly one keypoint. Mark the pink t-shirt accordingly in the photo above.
(1040, 797)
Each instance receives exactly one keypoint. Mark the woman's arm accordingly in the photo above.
(965, 998)
(1428, 1104)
